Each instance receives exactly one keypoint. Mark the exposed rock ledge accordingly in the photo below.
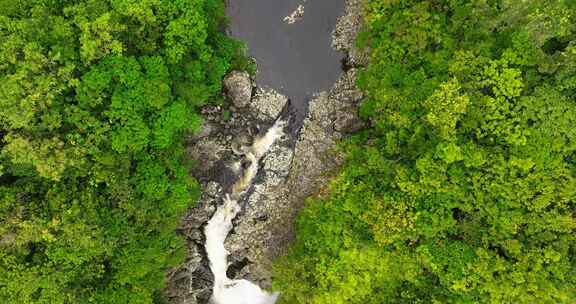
(290, 172)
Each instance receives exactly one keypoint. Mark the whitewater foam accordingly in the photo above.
(226, 290)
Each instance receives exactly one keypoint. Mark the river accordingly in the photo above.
(295, 59)
(291, 41)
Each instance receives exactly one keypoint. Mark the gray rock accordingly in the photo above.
(240, 142)
(212, 190)
(279, 160)
(267, 104)
(264, 229)
(344, 36)
(347, 121)
(238, 86)
(192, 282)
(252, 232)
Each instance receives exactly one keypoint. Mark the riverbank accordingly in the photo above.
(295, 167)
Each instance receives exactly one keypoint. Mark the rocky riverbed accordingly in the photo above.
(294, 168)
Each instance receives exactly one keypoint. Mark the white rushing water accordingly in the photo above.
(226, 290)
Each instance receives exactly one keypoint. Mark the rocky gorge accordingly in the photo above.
(296, 166)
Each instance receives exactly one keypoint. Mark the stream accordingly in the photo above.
(295, 58)
(245, 160)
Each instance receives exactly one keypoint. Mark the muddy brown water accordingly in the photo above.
(295, 59)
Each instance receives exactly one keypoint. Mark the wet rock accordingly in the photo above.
(252, 233)
(264, 229)
(191, 283)
(211, 193)
(345, 90)
(347, 121)
(218, 157)
(267, 104)
(240, 142)
(315, 159)
(347, 28)
(212, 190)
(278, 160)
(238, 86)
(296, 15)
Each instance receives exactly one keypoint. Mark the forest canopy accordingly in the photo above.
(463, 189)
(95, 97)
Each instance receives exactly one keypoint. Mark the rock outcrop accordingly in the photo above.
(344, 37)
(238, 86)
(217, 150)
(294, 169)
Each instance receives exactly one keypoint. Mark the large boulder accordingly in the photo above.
(267, 104)
(238, 86)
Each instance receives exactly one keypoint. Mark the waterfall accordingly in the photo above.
(226, 290)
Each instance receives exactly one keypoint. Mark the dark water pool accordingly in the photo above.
(295, 59)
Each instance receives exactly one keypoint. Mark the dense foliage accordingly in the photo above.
(94, 98)
(464, 188)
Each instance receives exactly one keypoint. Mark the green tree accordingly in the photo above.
(463, 190)
(95, 98)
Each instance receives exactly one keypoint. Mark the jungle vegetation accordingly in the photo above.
(95, 97)
(463, 189)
